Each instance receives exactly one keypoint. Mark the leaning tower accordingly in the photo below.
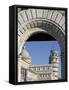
(54, 60)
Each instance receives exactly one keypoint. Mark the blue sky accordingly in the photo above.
(40, 51)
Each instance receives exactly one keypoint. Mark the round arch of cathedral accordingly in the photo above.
(52, 22)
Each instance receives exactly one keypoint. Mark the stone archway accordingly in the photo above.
(31, 21)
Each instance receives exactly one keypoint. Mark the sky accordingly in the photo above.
(40, 51)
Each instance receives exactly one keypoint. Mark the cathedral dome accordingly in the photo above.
(25, 54)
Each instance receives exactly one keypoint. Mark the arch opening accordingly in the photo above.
(39, 45)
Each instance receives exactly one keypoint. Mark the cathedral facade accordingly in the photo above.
(29, 72)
